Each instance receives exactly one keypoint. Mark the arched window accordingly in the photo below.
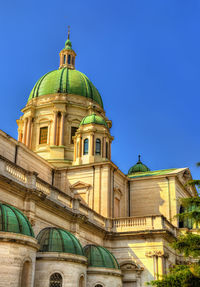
(181, 222)
(98, 285)
(85, 148)
(26, 274)
(69, 59)
(98, 146)
(186, 222)
(81, 282)
(55, 280)
(106, 149)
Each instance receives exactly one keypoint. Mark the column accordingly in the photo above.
(80, 146)
(91, 144)
(75, 142)
(55, 127)
(24, 131)
(28, 131)
(62, 128)
(104, 147)
(109, 150)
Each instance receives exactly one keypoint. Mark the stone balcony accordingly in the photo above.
(9, 171)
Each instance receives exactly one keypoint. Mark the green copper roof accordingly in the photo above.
(13, 220)
(66, 81)
(52, 239)
(93, 119)
(99, 256)
(68, 45)
(138, 167)
(153, 173)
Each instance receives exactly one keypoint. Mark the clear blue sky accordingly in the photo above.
(143, 56)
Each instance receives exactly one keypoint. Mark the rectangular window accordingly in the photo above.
(43, 135)
(73, 131)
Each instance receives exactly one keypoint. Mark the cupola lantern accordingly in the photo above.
(67, 55)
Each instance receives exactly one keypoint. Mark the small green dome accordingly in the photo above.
(93, 119)
(66, 81)
(138, 167)
(52, 239)
(13, 220)
(68, 44)
(99, 256)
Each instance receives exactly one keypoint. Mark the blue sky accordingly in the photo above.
(143, 56)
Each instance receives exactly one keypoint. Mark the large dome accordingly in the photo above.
(13, 220)
(99, 256)
(52, 239)
(67, 81)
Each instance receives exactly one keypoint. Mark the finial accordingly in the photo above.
(139, 156)
(68, 32)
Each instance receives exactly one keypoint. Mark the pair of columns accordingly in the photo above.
(159, 258)
(58, 134)
(27, 131)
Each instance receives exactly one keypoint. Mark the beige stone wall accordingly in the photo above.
(25, 157)
(149, 196)
(157, 196)
(71, 267)
(101, 276)
(17, 260)
(146, 258)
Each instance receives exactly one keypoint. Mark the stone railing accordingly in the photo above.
(30, 180)
(15, 172)
(42, 187)
(153, 222)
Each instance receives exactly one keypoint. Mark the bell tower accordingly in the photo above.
(67, 55)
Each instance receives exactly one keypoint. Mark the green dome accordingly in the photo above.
(13, 220)
(66, 81)
(52, 239)
(138, 167)
(99, 256)
(93, 119)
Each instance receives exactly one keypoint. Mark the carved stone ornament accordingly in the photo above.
(158, 253)
(130, 266)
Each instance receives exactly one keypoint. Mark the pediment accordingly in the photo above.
(80, 185)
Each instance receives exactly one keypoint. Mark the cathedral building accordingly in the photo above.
(69, 217)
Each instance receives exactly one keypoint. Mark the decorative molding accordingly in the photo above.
(157, 253)
(80, 184)
(130, 266)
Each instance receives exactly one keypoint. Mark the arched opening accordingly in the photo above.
(98, 285)
(98, 147)
(69, 59)
(64, 59)
(106, 149)
(186, 222)
(26, 274)
(55, 280)
(85, 147)
(82, 282)
(181, 222)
